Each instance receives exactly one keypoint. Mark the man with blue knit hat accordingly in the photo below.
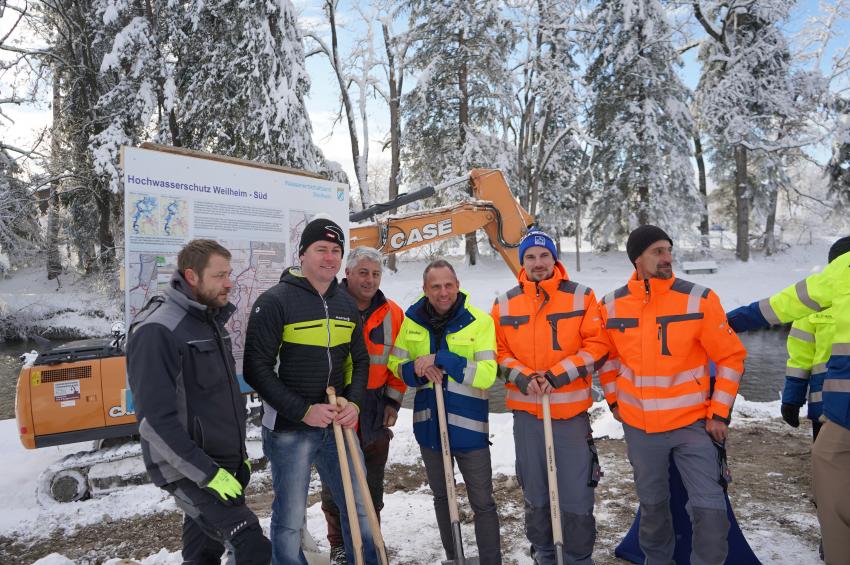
(549, 341)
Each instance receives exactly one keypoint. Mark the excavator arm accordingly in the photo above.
(492, 208)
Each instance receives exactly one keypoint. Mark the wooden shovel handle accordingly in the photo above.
(347, 487)
(360, 474)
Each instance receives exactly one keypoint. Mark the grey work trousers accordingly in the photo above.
(478, 477)
(696, 458)
(576, 499)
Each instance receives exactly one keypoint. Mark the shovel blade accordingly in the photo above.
(462, 561)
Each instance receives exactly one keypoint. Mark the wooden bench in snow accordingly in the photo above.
(699, 267)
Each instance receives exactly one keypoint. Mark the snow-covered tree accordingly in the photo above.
(639, 114)
(453, 115)
(75, 51)
(545, 118)
(747, 97)
(241, 83)
(137, 80)
(19, 230)
(838, 168)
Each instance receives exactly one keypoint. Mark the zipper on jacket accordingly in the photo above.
(328, 350)
(646, 295)
(231, 379)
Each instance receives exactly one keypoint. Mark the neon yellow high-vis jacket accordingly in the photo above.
(809, 347)
(828, 288)
(466, 352)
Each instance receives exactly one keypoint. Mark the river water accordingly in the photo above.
(763, 381)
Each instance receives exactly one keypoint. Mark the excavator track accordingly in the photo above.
(103, 470)
(93, 473)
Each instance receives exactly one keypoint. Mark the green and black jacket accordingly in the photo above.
(318, 341)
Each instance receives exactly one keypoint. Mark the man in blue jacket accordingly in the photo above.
(190, 411)
(444, 341)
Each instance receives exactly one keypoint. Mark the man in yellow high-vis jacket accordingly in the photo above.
(444, 341)
(829, 288)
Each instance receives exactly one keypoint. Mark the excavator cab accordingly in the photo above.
(74, 392)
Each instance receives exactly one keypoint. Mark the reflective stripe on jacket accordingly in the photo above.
(466, 352)
(553, 326)
(297, 344)
(663, 333)
(809, 345)
(828, 288)
(380, 329)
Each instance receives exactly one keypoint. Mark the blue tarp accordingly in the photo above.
(740, 552)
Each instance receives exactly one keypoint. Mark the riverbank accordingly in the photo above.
(31, 305)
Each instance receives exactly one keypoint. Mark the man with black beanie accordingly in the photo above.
(304, 335)
(663, 332)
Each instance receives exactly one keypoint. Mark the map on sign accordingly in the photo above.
(298, 220)
(257, 266)
(158, 215)
(144, 214)
(148, 275)
(174, 217)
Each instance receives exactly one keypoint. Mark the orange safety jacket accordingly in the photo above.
(380, 329)
(549, 327)
(663, 334)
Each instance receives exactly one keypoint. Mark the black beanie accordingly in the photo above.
(839, 248)
(643, 237)
(321, 229)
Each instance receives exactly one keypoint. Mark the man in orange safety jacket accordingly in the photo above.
(381, 319)
(663, 331)
(550, 339)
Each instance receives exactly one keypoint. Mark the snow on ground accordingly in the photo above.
(22, 516)
(736, 284)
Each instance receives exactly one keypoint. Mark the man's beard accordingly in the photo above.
(212, 300)
(663, 275)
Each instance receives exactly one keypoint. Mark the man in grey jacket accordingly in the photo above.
(191, 414)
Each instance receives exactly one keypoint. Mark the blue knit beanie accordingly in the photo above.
(537, 238)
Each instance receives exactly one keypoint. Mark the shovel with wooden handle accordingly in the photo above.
(448, 469)
(360, 474)
(350, 502)
(552, 475)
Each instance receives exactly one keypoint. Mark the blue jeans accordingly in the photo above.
(291, 455)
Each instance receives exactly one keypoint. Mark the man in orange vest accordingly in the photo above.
(663, 331)
(550, 339)
(381, 319)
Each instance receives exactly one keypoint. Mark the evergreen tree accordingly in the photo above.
(545, 120)
(242, 83)
(746, 94)
(20, 233)
(138, 100)
(640, 116)
(76, 52)
(453, 115)
(838, 168)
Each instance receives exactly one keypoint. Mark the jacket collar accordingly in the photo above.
(637, 286)
(180, 293)
(549, 285)
(462, 316)
(293, 276)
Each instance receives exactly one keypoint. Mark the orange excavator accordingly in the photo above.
(77, 392)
